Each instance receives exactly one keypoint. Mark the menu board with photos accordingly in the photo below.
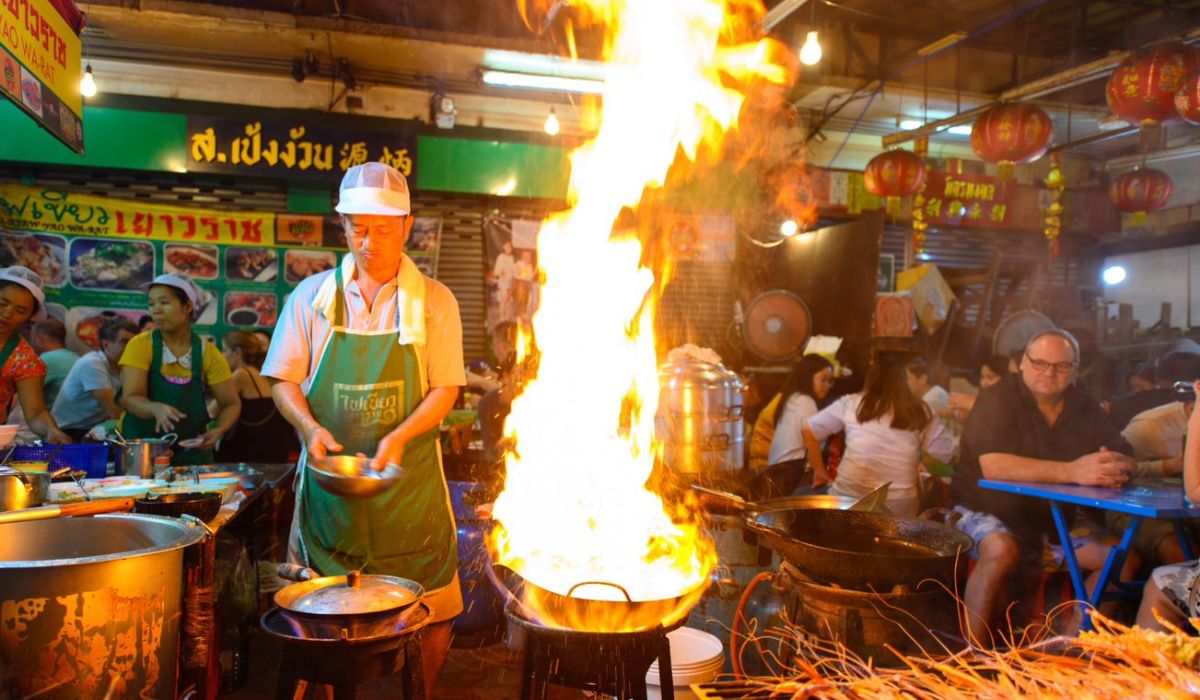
(90, 278)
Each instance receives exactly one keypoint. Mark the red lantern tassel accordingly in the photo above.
(893, 207)
(1054, 249)
(1007, 169)
(1138, 219)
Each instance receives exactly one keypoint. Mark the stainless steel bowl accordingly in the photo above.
(353, 477)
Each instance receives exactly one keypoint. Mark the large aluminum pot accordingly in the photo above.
(354, 606)
(91, 607)
(20, 489)
(700, 417)
(136, 457)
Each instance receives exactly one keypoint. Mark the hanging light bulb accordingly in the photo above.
(551, 125)
(87, 85)
(810, 53)
(789, 228)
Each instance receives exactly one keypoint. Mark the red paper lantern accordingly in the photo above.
(1187, 98)
(893, 175)
(1139, 192)
(1142, 89)
(1012, 133)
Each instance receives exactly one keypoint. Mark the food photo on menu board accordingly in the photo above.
(302, 264)
(197, 261)
(251, 264)
(250, 309)
(84, 322)
(44, 253)
(98, 263)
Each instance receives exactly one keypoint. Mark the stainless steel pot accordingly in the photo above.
(354, 606)
(700, 417)
(20, 489)
(136, 457)
(71, 588)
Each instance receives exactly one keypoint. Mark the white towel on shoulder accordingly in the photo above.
(410, 299)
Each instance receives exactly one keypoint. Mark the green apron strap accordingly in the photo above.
(9, 348)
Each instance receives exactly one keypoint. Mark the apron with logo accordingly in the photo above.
(187, 396)
(365, 385)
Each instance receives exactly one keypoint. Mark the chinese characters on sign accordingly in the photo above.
(967, 200)
(291, 150)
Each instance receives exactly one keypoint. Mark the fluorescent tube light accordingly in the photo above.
(943, 43)
(544, 64)
(529, 81)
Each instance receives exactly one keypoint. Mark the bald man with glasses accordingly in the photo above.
(1035, 425)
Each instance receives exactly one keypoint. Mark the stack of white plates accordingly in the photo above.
(696, 657)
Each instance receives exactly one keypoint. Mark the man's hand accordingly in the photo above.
(165, 416)
(390, 451)
(319, 442)
(1103, 468)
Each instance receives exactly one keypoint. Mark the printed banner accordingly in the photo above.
(39, 209)
(511, 270)
(291, 149)
(968, 200)
(93, 275)
(40, 67)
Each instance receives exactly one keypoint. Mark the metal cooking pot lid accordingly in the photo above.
(355, 594)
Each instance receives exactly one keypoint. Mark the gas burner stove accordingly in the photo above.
(612, 663)
(343, 664)
(921, 619)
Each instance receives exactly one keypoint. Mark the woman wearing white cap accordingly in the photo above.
(164, 372)
(21, 371)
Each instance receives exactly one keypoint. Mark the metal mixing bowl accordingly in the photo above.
(353, 477)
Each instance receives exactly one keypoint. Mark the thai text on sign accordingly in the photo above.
(38, 209)
(229, 145)
(38, 36)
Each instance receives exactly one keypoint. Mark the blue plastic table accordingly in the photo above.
(1142, 499)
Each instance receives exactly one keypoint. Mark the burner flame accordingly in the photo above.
(576, 507)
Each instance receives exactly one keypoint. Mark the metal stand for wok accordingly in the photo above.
(610, 663)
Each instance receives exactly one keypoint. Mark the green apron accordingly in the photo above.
(188, 398)
(365, 385)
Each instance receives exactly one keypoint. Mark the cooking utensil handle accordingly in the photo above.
(610, 584)
(295, 572)
(26, 514)
(107, 505)
(721, 501)
(941, 515)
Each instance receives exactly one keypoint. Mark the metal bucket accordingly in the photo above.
(91, 607)
(136, 457)
(700, 418)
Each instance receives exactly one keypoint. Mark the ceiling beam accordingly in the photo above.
(1071, 77)
(781, 12)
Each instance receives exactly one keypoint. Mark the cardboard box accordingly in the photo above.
(930, 294)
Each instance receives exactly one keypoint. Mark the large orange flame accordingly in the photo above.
(576, 507)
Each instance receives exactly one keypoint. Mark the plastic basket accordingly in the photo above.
(90, 457)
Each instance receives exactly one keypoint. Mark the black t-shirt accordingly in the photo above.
(1006, 419)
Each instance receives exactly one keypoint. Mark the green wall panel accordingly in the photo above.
(303, 199)
(491, 167)
(113, 138)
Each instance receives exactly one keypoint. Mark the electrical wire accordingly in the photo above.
(854, 127)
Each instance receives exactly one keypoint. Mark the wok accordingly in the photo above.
(727, 503)
(583, 610)
(862, 550)
(354, 606)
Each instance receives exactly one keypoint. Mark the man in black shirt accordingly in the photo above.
(1034, 425)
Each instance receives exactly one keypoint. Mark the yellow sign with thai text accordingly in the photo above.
(40, 66)
(38, 209)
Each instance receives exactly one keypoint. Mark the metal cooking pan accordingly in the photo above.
(864, 551)
(723, 502)
(580, 610)
(353, 606)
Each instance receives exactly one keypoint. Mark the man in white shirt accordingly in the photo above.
(88, 394)
(367, 358)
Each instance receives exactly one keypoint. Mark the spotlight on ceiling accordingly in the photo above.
(343, 72)
(1114, 275)
(298, 73)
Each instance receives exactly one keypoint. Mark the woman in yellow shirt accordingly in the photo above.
(161, 392)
